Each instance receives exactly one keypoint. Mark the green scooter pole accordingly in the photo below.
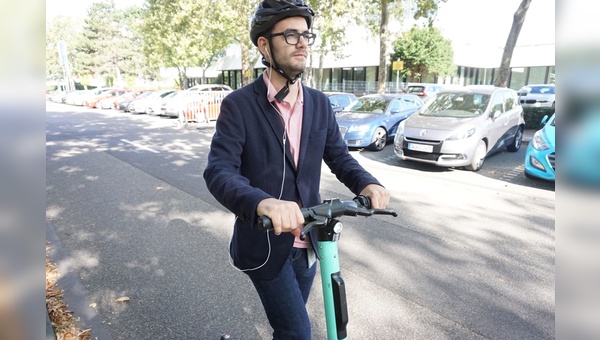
(334, 289)
(323, 218)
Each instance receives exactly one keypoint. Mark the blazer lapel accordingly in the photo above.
(307, 118)
(272, 116)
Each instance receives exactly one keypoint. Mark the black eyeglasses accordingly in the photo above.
(293, 37)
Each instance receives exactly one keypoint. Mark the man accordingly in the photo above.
(265, 159)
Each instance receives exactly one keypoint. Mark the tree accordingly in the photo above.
(182, 34)
(66, 29)
(105, 47)
(424, 51)
(330, 23)
(233, 19)
(378, 14)
(511, 42)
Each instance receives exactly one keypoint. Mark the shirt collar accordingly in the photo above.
(272, 91)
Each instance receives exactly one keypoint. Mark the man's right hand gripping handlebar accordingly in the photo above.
(313, 217)
(284, 216)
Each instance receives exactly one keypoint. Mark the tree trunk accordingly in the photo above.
(383, 41)
(511, 42)
(246, 67)
(320, 76)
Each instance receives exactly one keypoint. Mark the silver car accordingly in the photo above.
(537, 95)
(461, 126)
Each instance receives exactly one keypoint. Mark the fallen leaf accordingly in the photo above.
(122, 299)
(93, 305)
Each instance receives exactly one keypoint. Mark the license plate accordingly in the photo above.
(420, 147)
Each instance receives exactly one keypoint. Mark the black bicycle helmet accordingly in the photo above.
(269, 12)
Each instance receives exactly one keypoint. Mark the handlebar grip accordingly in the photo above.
(363, 200)
(264, 223)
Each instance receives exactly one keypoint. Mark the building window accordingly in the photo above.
(537, 75)
(517, 78)
(551, 79)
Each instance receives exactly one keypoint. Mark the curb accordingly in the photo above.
(74, 293)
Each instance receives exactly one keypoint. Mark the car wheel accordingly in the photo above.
(478, 157)
(516, 142)
(379, 139)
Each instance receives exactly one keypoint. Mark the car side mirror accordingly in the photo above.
(496, 114)
(544, 119)
(395, 111)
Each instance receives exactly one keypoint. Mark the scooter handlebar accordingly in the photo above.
(333, 208)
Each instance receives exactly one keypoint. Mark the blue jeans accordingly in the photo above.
(284, 297)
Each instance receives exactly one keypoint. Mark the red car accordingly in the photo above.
(93, 101)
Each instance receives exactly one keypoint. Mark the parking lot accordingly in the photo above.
(470, 256)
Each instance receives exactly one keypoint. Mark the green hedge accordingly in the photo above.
(533, 116)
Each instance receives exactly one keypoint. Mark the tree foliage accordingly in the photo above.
(183, 34)
(424, 51)
(139, 41)
(66, 29)
(332, 18)
(108, 46)
(233, 19)
(378, 14)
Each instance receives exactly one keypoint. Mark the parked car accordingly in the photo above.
(537, 95)
(76, 96)
(159, 108)
(110, 102)
(80, 100)
(340, 100)
(424, 91)
(373, 119)
(210, 87)
(123, 104)
(93, 100)
(460, 127)
(141, 104)
(153, 105)
(540, 158)
(198, 103)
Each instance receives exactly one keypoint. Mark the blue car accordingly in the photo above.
(373, 119)
(540, 154)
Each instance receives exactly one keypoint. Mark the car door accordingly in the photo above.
(396, 113)
(513, 112)
(498, 124)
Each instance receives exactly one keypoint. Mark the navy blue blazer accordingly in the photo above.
(246, 165)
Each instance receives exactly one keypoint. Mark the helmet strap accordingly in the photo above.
(286, 88)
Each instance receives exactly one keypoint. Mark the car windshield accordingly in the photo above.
(459, 105)
(540, 90)
(375, 105)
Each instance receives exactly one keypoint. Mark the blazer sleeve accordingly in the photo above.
(223, 173)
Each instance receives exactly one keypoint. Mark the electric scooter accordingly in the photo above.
(324, 218)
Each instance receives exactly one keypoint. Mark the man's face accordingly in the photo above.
(291, 58)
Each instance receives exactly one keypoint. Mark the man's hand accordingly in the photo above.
(379, 196)
(285, 215)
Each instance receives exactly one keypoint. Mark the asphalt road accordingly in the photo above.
(470, 256)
